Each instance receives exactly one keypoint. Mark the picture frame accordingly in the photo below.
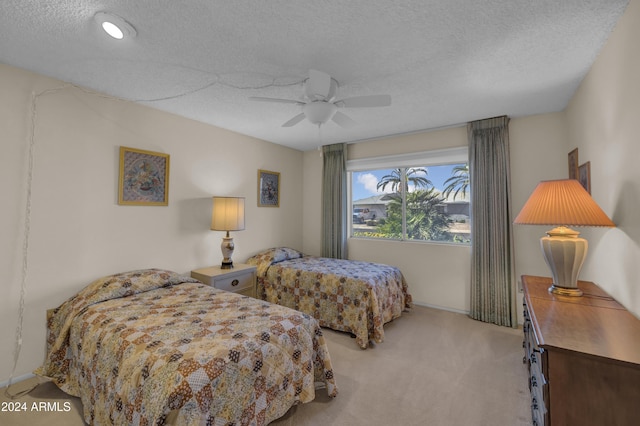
(268, 188)
(143, 178)
(584, 176)
(573, 164)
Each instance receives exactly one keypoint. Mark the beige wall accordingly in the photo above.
(78, 232)
(538, 151)
(603, 119)
(439, 274)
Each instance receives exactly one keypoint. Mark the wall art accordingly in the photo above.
(573, 164)
(268, 189)
(144, 178)
(584, 176)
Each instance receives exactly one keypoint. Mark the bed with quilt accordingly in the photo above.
(152, 347)
(345, 295)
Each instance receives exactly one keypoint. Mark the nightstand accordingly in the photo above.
(240, 279)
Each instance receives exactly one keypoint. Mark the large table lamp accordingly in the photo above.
(565, 203)
(227, 215)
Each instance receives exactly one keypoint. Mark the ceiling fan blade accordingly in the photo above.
(295, 120)
(365, 101)
(318, 84)
(342, 120)
(283, 101)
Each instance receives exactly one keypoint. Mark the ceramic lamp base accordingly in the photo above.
(227, 248)
(564, 253)
(563, 291)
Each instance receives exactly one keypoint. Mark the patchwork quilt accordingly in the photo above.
(146, 345)
(345, 295)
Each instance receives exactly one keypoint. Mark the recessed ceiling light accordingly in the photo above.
(113, 30)
(114, 25)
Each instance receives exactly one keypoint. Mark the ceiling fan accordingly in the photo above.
(319, 103)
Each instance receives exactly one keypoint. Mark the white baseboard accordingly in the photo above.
(442, 308)
(15, 380)
(457, 311)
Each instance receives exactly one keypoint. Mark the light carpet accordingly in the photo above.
(434, 368)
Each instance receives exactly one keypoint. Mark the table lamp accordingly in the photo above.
(565, 203)
(227, 215)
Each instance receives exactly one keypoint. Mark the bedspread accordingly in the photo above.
(346, 295)
(139, 346)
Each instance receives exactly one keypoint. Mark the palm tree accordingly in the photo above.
(458, 182)
(411, 176)
(424, 220)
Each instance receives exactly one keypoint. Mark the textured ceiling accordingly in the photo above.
(444, 62)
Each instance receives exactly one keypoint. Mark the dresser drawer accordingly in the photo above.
(236, 284)
(584, 357)
(536, 359)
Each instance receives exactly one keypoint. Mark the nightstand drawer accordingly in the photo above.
(249, 291)
(241, 279)
(235, 284)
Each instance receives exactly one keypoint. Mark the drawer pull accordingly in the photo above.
(235, 282)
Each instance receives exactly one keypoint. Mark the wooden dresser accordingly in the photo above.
(583, 355)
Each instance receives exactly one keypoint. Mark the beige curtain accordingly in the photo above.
(493, 291)
(334, 201)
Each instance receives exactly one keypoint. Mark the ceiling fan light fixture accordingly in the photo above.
(319, 112)
(322, 90)
(115, 26)
(319, 105)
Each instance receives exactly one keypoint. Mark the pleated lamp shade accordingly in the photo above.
(562, 202)
(565, 203)
(227, 214)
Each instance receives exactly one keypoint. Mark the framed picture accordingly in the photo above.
(573, 164)
(268, 189)
(144, 178)
(584, 176)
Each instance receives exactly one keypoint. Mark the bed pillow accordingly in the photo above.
(129, 283)
(285, 253)
(123, 285)
(268, 257)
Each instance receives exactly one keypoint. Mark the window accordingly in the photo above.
(416, 197)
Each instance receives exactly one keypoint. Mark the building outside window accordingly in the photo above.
(424, 198)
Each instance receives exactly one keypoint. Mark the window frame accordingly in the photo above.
(437, 157)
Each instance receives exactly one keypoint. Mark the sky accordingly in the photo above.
(364, 183)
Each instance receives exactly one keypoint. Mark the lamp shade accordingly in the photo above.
(562, 202)
(227, 214)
